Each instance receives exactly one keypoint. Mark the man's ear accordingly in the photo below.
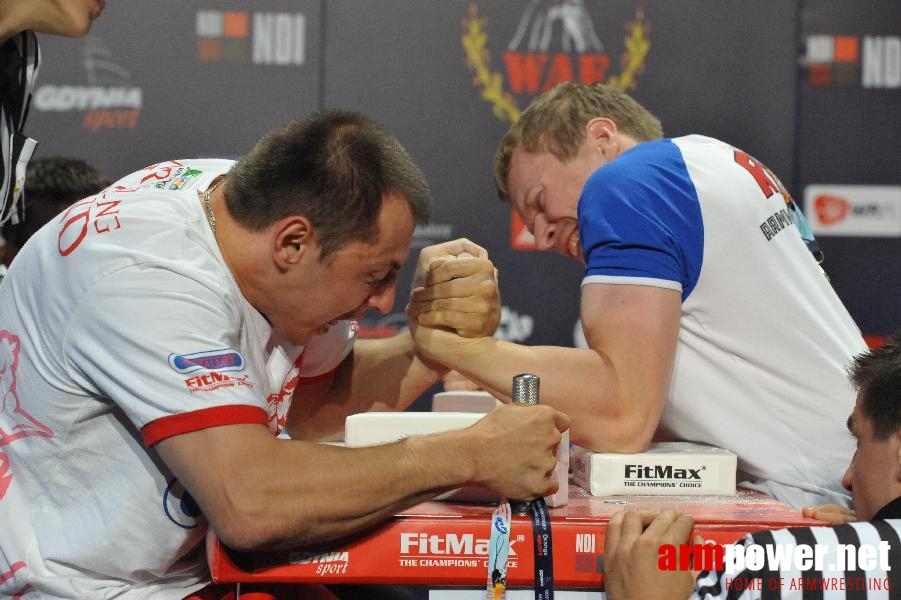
(294, 236)
(602, 132)
(896, 440)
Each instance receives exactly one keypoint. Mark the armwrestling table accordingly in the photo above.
(446, 544)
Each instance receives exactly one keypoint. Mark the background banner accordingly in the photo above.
(812, 88)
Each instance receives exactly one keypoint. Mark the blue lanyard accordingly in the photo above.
(543, 551)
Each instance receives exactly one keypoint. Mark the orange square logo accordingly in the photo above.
(520, 237)
(847, 48)
(209, 50)
(235, 25)
(819, 75)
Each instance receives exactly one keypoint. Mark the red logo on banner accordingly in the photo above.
(553, 42)
(520, 236)
(831, 209)
(875, 341)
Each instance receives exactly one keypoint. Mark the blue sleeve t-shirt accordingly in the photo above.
(640, 222)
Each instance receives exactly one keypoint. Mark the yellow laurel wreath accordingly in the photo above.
(478, 60)
(637, 48)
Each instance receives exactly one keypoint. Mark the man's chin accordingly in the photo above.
(574, 248)
(301, 338)
(323, 329)
(568, 253)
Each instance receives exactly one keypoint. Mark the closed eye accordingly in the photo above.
(531, 208)
(383, 281)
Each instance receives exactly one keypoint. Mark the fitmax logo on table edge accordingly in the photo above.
(447, 544)
(260, 38)
(108, 101)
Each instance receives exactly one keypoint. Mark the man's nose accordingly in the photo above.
(544, 232)
(382, 299)
(846, 478)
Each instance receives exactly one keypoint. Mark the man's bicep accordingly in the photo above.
(612, 313)
(635, 328)
(313, 416)
(214, 466)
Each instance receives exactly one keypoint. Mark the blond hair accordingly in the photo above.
(555, 122)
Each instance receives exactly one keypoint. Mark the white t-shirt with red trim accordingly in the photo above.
(120, 326)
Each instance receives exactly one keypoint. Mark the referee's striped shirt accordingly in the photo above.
(19, 60)
(772, 582)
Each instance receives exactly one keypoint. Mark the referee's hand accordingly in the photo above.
(632, 551)
(831, 513)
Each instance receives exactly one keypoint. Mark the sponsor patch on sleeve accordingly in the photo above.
(224, 359)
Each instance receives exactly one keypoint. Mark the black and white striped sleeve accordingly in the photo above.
(20, 59)
(852, 562)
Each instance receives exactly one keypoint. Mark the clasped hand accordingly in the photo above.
(455, 288)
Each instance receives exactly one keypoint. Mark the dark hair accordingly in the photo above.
(877, 375)
(334, 168)
(51, 185)
(555, 122)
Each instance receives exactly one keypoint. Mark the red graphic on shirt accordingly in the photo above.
(15, 422)
(280, 402)
(6, 477)
(94, 215)
(4, 577)
(767, 181)
(831, 209)
(21, 593)
(160, 171)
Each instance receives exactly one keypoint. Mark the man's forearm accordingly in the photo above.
(305, 493)
(259, 491)
(380, 375)
(580, 382)
(393, 364)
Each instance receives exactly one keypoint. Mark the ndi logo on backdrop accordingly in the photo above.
(261, 38)
(868, 61)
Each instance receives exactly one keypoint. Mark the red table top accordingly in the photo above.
(441, 543)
